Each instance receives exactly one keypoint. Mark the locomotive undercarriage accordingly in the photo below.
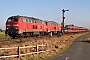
(22, 34)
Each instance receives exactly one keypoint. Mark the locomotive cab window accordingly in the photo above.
(12, 20)
(9, 20)
(15, 20)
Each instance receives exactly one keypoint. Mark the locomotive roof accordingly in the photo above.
(26, 17)
(70, 25)
(53, 22)
(35, 19)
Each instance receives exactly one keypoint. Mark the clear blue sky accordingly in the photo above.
(79, 13)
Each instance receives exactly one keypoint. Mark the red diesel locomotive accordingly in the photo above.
(20, 26)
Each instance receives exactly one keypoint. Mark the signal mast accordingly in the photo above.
(63, 17)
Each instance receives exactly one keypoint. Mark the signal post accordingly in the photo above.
(63, 17)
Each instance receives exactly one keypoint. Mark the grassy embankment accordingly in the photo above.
(88, 38)
(2, 35)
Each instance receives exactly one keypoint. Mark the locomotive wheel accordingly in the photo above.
(22, 35)
(41, 33)
(13, 37)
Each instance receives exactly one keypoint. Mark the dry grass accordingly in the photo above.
(56, 46)
(2, 35)
(88, 38)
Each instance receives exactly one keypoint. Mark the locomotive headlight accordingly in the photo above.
(15, 24)
(6, 28)
(15, 28)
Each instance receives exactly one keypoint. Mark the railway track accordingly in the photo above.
(9, 41)
(19, 40)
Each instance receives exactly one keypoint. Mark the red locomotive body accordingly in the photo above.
(20, 26)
